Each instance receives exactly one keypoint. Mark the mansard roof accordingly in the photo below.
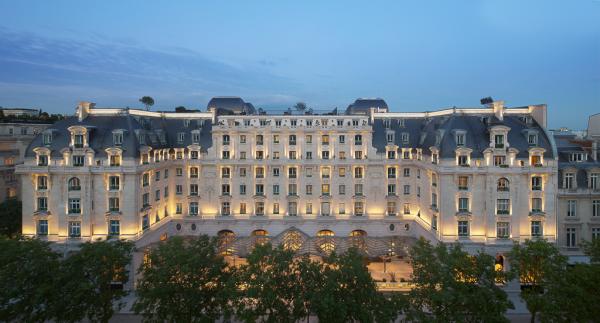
(439, 132)
(362, 106)
(101, 129)
(230, 105)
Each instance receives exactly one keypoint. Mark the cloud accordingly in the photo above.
(34, 67)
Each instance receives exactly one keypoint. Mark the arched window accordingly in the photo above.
(503, 185)
(325, 241)
(74, 184)
(357, 240)
(260, 237)
(292, 240)
(226, 239)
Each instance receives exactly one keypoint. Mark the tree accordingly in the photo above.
(453, 286)
(270, 291)
(537, 263)
(10, 218)
(148, 101)
(592, 249)
(300, 107)
(183, 281)
(28, 271)
(89, 277)
(348, 292)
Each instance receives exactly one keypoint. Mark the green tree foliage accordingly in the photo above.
(453, 286)
(349, 294)
(28, 271)
(270, 289)
(10, 218)
(537, 264)
(89, 277)
(147, 101)
(183, 281)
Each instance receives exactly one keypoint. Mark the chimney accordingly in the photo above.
(498, 107)
(83, 109)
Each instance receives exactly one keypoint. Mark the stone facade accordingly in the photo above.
(369, 177)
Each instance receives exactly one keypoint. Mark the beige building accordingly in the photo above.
(369, 178)
(579, 188)
(14, 139)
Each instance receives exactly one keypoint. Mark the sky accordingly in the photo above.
(417, 55)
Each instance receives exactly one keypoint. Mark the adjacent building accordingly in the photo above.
(369, 178)
(578, 187)
(15, 136)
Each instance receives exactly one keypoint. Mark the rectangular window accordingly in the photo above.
(463, 204)
(292, 189)
(275, 208)
(536, 228)
(74, 206)
(536, 183)
(42, 204)
(145, 179)
(503, 230)
(292, 208)
(260, 172)
(358, 172)
(325, 208)
(571, 208)
(225, 208)
(463, 183)
(309, 208)
(78, 141)
(325, 139)
(114, 183)
(569, 181)
(358, 208)
(390, 137)
(178, 208)
(463, 228)
(179, 172)
(595, 233)
(118, 138)
(536, 204)
(325, 190)
(571, 237)
(309, 139)
(342, 139)
(391, 154)
(194, 189)
(225, 154)
(463, 160)
(595, 181)
(157, 176)
(292, 154)
(342, 189)
(292, 140)
(406, 189)
(342, 172)
(391, 208)
(113, 204)
(242, 208)
(406, 208)
(225, 172)
(225, 190)
(358, 189)
(342, 208)
(406, 172)
(325, 172)
(275, 189)
(434, 200)
(499, 161)
(325, 154)
(391, 189)
(178, 189)
(42, 182)
(145, 199)
(78, 161)
(114, 227)
(499, 141)
(308, 189)
(596, 208)
(42, 160)
(242, 139)
(42, 228)
(532, 139)
(259, 189)
(194, 154)
(503, 206)
(460, 139)
(292, 172)
(193, 208)
(74, 229)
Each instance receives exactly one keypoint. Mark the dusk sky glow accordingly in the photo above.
(417, 55)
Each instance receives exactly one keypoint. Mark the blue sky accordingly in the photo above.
(418, 55)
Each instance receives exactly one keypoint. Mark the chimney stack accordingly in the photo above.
(83, 109)
(595, 150)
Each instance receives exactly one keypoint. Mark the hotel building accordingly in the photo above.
(368, 177)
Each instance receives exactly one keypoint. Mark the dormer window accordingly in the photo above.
(194, 154)
(499, 141)
(180, 137)
(577, 157)
(195, 137)
(386, 123)
(186, 123)
(390, 137)
(401, 122)
(460, 139)
(463, 160)
(78, 141)
(43, 160)
(141, 138)
(118, 138)
(355, 123)
(532, 139)
(47, 139)
(405, 138)
(115, 160)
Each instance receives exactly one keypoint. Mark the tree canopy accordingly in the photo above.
(147, 101)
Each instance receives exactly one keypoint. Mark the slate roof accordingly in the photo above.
(567, 143)
(362, 106)
(423, 133)
(101, 134)
(230, 105)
